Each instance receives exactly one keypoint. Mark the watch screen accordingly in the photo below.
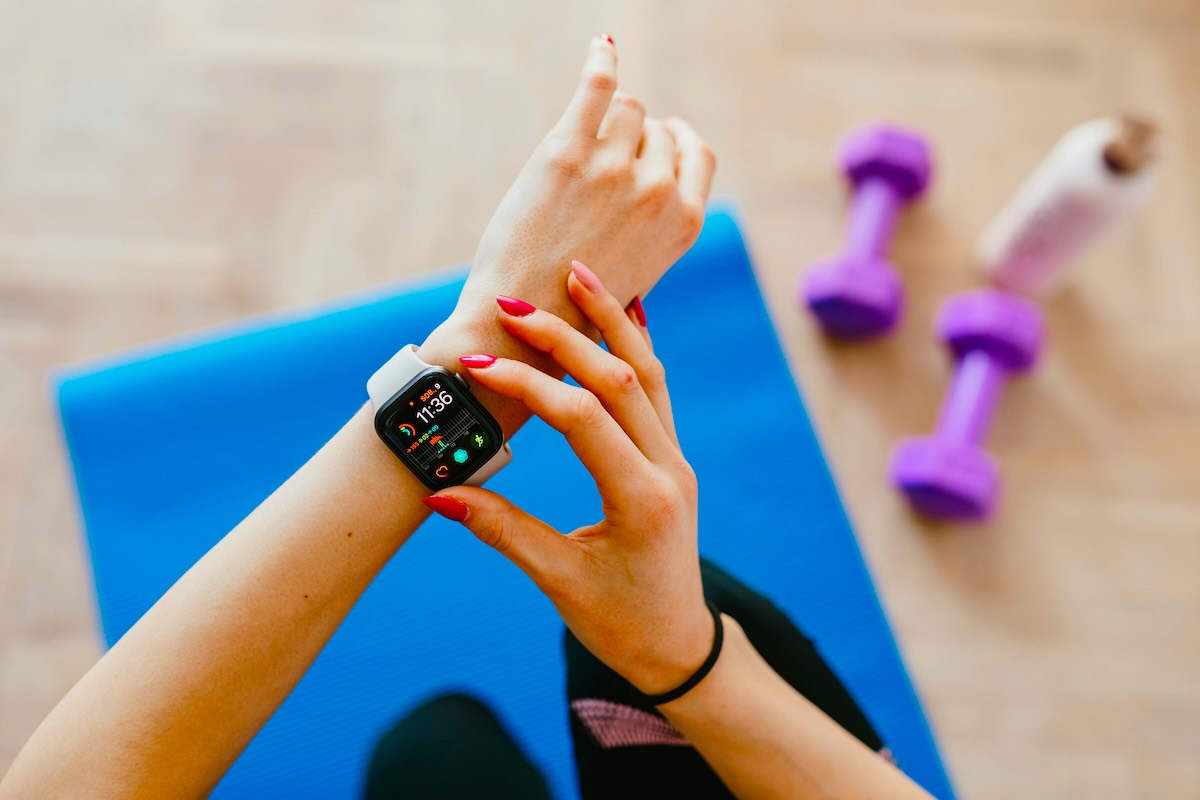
(440, 430)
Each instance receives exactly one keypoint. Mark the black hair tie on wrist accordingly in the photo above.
(705, 668)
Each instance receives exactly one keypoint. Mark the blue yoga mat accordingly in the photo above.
(174, 445)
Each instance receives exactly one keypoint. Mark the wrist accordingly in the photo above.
(460, 334)
(736, 661)
(474, 328)
(541, 285)
(677, 657)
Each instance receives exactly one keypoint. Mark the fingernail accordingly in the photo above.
(448, 507)
(513, 306)
(608, 39)
(586, 276)
(477, 361)
(638, 311)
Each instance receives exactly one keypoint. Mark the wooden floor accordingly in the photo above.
(169, 165)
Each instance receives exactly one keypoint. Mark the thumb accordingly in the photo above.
(539, 550)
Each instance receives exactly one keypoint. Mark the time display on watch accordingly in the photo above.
(439, 429)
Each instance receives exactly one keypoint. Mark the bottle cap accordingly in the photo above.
(1133, 145)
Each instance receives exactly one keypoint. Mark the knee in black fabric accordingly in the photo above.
(451, 747)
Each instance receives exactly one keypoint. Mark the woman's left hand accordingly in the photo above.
(609, 185)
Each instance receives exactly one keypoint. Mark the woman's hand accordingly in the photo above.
(629, 585)
(609, 185)
(622, 192)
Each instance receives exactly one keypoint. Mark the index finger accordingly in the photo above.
(594, 93)
(626, 339)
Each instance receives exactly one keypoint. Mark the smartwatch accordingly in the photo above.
(428, 417)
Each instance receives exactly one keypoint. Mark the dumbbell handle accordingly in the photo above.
(971, 400)
(873, 213)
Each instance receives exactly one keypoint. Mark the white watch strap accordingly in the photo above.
(395, 374)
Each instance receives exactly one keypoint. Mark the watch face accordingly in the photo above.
(439, 430)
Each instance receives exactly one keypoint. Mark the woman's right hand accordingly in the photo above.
(628, 586)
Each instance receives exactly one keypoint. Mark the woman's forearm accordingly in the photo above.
(766, 740)
(168, 709)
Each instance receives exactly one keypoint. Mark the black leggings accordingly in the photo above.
(453, 747)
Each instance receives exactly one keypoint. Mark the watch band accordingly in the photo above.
(395, 374)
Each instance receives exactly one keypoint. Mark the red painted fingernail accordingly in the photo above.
(608, 39)
(513, 306)
(477, 361)
(448, 507)
(640, 312)
(586, 276)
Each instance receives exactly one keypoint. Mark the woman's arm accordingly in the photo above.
(167, 710)
(766, 740)
(629, 586)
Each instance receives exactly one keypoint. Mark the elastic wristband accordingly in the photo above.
(705, 668)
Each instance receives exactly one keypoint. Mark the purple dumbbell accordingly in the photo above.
(949, 475)
(857, 292)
